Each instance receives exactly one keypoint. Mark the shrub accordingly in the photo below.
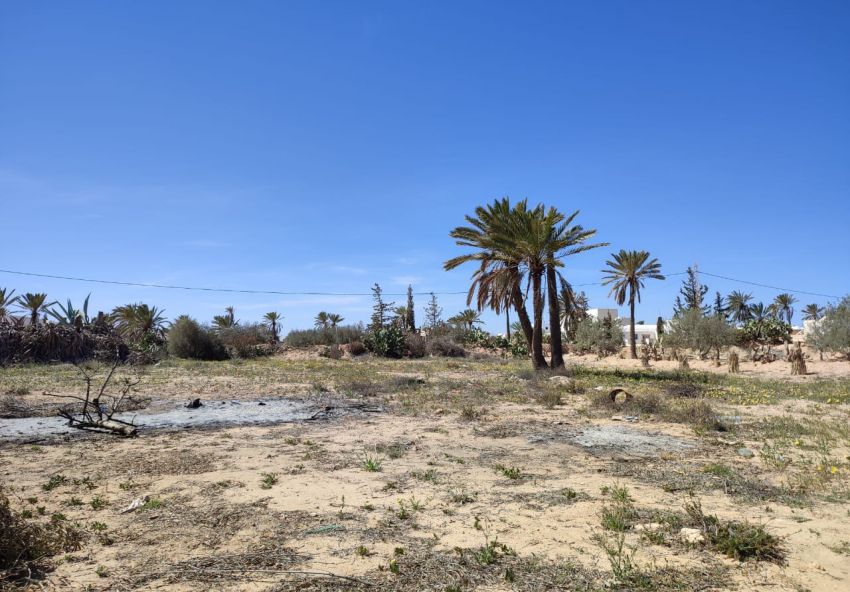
(247, 341)
(603, 338)
(386, 342)
(761, 335)
(416, 345)
(328, 336)
(25, 545)
(701, 334)
(444, 346)
(51, 342)
(334, 352)
(188, 339)
(356, 348)
(832, 332)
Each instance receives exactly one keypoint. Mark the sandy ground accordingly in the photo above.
(830, 367)
(442, 491)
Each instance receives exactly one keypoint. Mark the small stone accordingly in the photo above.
(745, 452)
(650, 527)
(692, 536)
(439, 411)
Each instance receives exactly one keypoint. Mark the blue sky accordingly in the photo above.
(324, 146)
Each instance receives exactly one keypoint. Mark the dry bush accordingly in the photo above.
(247, 341)
(443, 346)
(416, 345)
(356, 348)
(26, 545)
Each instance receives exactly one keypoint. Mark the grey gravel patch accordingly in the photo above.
(629, 440)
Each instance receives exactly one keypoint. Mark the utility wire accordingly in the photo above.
(282, 293)
(723, 277)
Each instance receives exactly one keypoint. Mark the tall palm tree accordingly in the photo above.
(467, 319)
(738, 306)
(784, 306)
(272, 320)
(322, 321)
(34, 305)
(565, 239)
(812, 312)
(7, 300)
(498, 280)
(335, 320)
(627, 272)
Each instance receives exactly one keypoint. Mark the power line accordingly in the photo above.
(723, 277)
(290, 293)
(201, 289)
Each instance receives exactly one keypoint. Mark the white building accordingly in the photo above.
(643, 333)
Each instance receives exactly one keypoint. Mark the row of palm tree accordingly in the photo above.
(740, 308)
(327, 320)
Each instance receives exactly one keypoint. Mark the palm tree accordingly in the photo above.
(784, 306)
(272, 319)
(499, 277)
(322, 320)
(34, 305)
(812, 312)
(565, 239)
(759, 312)
(7, 300)
(738, 306)
(572, 308)
(335, 320)
(138, 321)
(627, 273)
(467, 319)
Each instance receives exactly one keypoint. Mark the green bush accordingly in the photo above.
(328, 336)
(188, 339)
(699, 333)
(387, 342)
(603, 338)
(832, 332)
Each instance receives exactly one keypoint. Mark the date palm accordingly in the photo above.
(467, 319)
(335, 320)
(497, 283)
(813, 312)
(626, 273)
(138, 321)
(322, 320)
(7, 300)
(784, 306)
(272, 320)
(738, 306)
(34, 305)
(572, 308)
(565, 239)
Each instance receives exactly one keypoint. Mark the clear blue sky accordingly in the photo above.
(323, 146)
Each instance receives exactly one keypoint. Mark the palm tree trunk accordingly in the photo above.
(508, 321)
(554, 319)
(632, 344)
(522, 314)
(537, 335)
